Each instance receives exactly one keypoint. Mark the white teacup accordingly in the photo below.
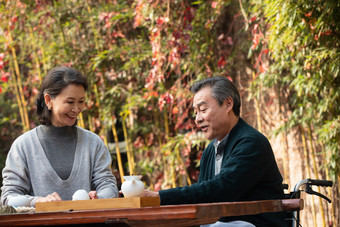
(80, 194)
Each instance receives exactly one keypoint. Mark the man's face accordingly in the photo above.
(211, 117)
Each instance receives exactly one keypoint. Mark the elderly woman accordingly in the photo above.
(55, 159)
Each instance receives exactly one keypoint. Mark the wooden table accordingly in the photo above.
(171, 215)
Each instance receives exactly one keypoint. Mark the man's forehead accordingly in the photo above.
(201, 99)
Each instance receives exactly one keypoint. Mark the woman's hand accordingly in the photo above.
(51, 197)
(93, 195)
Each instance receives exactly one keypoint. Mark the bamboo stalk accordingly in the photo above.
(257, 108)
(173, 167)
(95, 32)
(81, 120)
(329, 191)
(19, 84)
(89, 118)
(173, 175)
(128, 152)
(166, 123)
(285, 158)
(167, 133)
(104, 138)
(37, 63)
(157, 125)
(316, 172)
(119, 158)
(17, 96)
(102, 130)
(43, 59)
(339, 182)
(307, 167)
(180, 159)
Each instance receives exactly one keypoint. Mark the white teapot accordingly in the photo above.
(132, 186)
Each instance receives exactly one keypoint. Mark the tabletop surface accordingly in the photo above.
(170, 215)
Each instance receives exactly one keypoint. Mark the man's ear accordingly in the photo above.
(48, 101)
(228, 103)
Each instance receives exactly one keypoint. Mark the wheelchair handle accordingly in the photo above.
(323, 183)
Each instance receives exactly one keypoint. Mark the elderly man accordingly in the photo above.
(238, 165)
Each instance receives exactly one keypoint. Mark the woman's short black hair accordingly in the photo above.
(53, 83)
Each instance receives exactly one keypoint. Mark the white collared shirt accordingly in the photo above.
(218, 157)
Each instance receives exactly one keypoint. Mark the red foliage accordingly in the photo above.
(2, 63)
(139, 142)
(174, 110)
(4, 78)
(231, 79)
(35, 91)
(252, 19)
(308, 14)
(188, 15)
(138, 17)
(164, 99)
(186, 151)
(221, 63)
(257, 37)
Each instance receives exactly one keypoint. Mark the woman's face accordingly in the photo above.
(66, 106)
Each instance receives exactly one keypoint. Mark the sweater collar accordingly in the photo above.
(59, 132)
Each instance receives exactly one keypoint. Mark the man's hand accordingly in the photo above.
(148, 193)
(51, 197)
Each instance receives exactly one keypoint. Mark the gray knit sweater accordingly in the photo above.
(29, 174)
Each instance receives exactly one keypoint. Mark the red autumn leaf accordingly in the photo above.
(231, 79)
(328, 32)
(308, 14)
(35, 91)
(160, 21)
(221, 62)
(255, 42)
(175, 110)
(188, 15)
(0, 89)
(14, 19)
(261, 69)
(154, 94)
(138, 20)
(4, 78)
(139, 143)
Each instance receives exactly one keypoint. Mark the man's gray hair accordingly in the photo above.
(221, 89)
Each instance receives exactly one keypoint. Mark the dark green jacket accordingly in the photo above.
(249, 172)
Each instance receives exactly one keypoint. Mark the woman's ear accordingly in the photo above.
(48, 101)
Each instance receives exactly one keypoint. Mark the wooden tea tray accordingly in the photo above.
(133, 202)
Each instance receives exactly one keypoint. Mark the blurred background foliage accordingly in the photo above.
(142, 56)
